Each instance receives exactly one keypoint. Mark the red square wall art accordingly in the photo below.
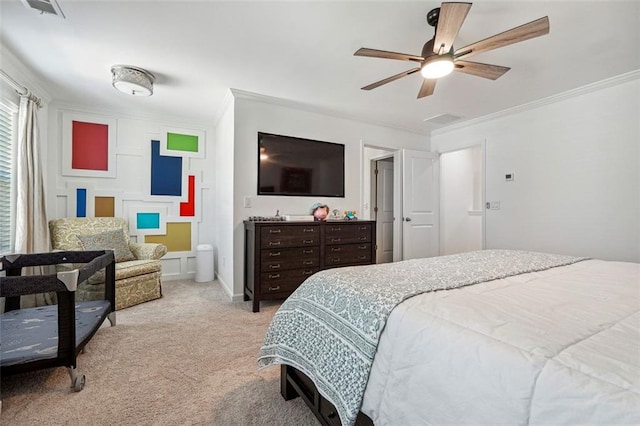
(88, 145)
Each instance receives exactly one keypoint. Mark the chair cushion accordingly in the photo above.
(109, 240)
(129, 269)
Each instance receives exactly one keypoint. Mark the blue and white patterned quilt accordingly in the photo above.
(330, 326)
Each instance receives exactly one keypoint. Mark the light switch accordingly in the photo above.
(247, 202)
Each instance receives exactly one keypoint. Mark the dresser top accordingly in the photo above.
(304, 222)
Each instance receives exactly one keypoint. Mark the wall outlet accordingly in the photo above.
(247, 202)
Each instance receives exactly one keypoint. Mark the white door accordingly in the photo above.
(383, 210)
(420, 175)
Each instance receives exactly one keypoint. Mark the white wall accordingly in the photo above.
(255, 114)
(131, 186)
(223, 202)
(576, 162)
(461, 200)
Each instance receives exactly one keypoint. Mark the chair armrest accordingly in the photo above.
(148, 250)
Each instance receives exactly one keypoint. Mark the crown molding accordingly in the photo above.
(177, 121)
(16, 68)
(589, 88)
(224, 105)
(242, 94)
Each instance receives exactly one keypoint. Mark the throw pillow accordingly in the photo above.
(110, 240)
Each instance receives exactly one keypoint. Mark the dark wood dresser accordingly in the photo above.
(279, 256)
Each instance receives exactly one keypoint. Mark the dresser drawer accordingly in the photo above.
(289, 236)
(352, 254)
(348, 249)
(341, 233)
(291, 263)
(304, 253)
(285, 281)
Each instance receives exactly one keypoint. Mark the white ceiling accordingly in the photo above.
(302, 51)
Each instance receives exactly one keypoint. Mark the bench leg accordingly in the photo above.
(112, 318)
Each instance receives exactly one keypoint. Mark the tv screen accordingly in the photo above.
(294, 166)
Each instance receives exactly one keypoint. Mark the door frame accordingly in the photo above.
(365, 181)
(459, 146)
(373, 164)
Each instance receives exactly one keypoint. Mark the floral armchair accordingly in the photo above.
(138, 267)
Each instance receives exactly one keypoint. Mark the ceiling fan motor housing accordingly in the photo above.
(432, 17)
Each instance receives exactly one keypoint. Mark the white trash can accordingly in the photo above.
(204, 263)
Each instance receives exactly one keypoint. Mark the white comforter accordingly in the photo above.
(561, 346)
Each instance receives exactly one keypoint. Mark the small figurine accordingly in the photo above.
(320, 211)
(350, 215)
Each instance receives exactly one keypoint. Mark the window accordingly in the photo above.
(8, 122)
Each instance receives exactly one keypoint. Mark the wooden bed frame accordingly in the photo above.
(294, 383)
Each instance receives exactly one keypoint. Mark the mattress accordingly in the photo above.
(559, 346)
(31, 334)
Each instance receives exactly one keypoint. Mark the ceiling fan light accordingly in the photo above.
(132, 80)
(437, 66)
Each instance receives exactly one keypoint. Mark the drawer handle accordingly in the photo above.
(336, 229)
(307, 272)
(362, 257)
(272, 276)
(274, 243)
(276, 288)
(363, 238)
(275, 231)
(274, 254)
(307, 230)
(362, 228)
(335, 259)
(307, 251)
(307, 241)
(307, 262)
(336, 240)
(362, 247)
(276, 266)
(335, 249)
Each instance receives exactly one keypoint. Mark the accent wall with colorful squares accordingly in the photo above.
(156, 176)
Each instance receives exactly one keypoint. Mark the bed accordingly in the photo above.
(494, 336)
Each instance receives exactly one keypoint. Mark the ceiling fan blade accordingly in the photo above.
(533, 29)
(451, 17)
(489, 71)
(390, 79)
(374, 53)
(427, 88)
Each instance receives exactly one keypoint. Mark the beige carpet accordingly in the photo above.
(188, 358)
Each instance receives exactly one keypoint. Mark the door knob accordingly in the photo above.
(408, 219)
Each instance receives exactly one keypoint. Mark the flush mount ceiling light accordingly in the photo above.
(132, 80)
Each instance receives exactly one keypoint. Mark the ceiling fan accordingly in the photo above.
(438, 57)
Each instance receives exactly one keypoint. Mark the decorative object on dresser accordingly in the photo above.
(279, 256)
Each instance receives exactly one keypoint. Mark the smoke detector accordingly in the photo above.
(49, 7)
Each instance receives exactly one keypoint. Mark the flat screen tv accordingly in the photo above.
(303, 167)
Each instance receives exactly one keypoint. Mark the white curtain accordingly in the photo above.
(32, 234)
